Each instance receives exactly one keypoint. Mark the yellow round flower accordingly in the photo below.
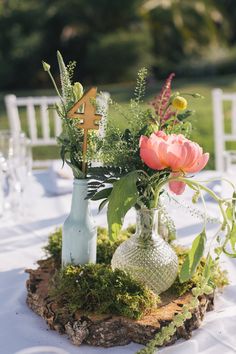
(180, 103)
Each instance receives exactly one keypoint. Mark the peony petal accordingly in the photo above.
(149, 154)
(199, 164)
(193, 153)
(143, 140)
(162, 153)
(176, 155)
(150, 158)
(151, 150)
(160, 134)
(177, 187)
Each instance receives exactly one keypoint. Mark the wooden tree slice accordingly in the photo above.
(108, 330)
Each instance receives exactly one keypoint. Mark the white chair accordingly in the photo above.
(223, 158)
(38, 115)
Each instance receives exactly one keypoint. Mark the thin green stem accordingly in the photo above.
(204, 205)
(197, 185)
(156, 198)
(55, 86)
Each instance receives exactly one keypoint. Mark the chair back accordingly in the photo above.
(222, 156)
(43, 123)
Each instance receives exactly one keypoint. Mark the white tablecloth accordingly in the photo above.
(21, 242)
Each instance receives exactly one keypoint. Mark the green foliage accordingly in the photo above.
(124, 52)
(67, 91)
(75, 26)
(134, 34)
(137, 183)
(71, 147)
(193, 257)
(96, 288)
(216, 277)
(120, 148)
(54, 245)
(204, 286)
(72, 137)
(123, 197)
(183, 31)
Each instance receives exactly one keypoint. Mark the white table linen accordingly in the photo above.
(21, 242)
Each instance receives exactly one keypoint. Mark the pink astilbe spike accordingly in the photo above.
(160, 102)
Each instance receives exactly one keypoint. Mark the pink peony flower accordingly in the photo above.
(175, 152)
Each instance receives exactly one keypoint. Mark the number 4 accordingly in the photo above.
(89, 119)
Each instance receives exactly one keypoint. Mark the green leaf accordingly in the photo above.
(63, 152)
(207, 270)
(193, 257)
(102, 194)
(233, 237)
(229, 212)
(76, 171)
(123, 197)
(218, 251)
(185, 115)
(103, 203)
(197, 95)
(147, 130)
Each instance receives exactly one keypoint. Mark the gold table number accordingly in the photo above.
(88, 119)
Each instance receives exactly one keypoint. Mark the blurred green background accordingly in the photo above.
(112, 39)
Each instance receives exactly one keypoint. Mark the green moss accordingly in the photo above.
(105, 247)
(95, 287)
(53, 248)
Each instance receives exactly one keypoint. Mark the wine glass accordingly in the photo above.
(15, 166)
(20, 168)
(5, 148)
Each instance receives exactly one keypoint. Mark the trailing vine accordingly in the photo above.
(179, 319)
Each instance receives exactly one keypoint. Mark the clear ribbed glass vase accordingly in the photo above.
(146, 256)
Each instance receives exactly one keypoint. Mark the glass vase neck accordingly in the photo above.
(79, 205)
(147, 221)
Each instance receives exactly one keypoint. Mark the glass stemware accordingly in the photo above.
(16, 166)
(5, 147)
